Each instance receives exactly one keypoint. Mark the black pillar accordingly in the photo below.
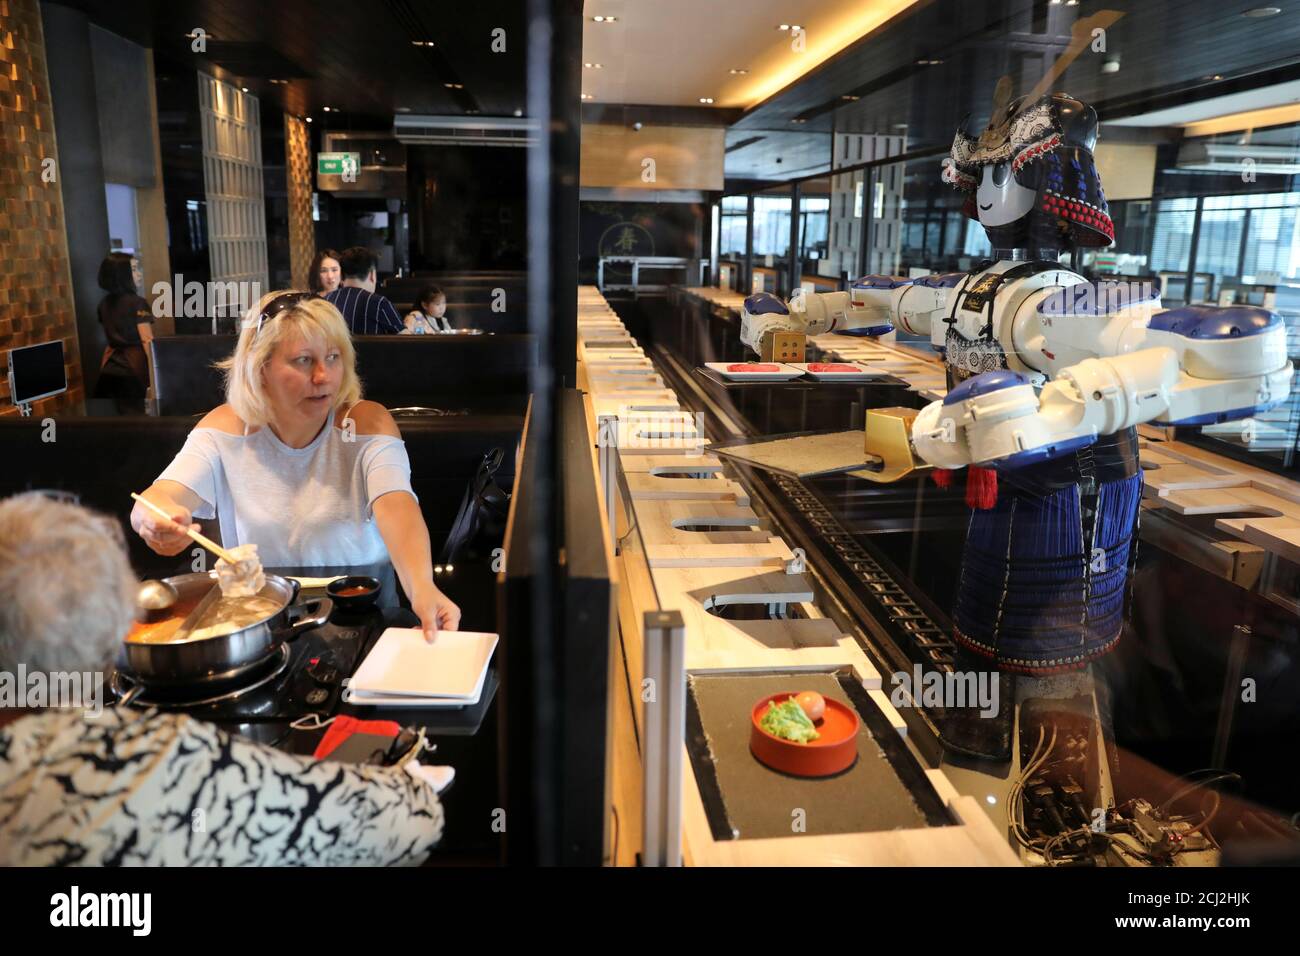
(80, 172)
(747, 277)
(792, 267)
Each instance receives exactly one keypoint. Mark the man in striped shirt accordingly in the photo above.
(365, 311)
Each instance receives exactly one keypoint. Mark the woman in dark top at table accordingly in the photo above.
(128, 327)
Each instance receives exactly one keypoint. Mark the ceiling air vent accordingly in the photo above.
(424, 130)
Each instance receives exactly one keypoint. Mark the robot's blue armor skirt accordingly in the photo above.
(1045, 571)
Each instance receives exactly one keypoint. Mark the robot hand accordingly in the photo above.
(997, 419)
(762, 314)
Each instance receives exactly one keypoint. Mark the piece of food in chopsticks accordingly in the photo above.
(244, 577)
(788, 721)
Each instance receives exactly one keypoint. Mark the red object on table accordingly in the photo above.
(833, 367)
(833, 751)
(753, 367)
(344, 727)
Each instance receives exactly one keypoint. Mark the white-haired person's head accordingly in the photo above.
(67, 594)
(283, 338)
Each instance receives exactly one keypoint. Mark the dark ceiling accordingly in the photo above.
(358, 58)
(1167, 51)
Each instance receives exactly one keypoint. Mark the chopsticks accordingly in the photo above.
(208, 543)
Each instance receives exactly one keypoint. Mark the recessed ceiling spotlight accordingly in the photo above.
(706, 99)
(519, 112)
(593, 66)
(1261, 12)
(279, 82)
(454, 86)
(604, 19)
(587, 96)
(798, 120)
(243, 89)
(784, 26)
(471, 112)
(738, 72)
(1216, 76)
(1110, 66)
(325, 108)
(403, 109)
(850, 97)
(423, 43)
(795, 26)
(1071, 3)
(308, 119)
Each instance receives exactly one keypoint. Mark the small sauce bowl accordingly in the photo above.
(354, 593)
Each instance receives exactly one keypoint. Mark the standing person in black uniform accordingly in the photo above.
(128, 327)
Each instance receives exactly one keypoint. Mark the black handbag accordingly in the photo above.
(482, 511)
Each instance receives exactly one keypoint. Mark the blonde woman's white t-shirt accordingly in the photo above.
(302, 507)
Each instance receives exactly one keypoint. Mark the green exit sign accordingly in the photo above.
(337, 163)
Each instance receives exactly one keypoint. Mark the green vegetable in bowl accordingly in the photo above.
(788, 721)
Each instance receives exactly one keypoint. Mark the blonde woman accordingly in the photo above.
(297, 464)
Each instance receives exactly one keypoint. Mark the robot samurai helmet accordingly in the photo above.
(1030, 177)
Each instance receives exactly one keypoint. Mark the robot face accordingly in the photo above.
(1000, 199)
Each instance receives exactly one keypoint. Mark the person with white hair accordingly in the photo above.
(296, 463)
(82, 785)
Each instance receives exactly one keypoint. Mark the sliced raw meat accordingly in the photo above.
(832, 367)
(753, 367)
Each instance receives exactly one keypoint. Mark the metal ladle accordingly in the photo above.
(156, 599)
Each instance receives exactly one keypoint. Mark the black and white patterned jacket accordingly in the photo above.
(151, 789)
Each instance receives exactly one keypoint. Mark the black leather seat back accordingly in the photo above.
(102, 460)
(394, 369)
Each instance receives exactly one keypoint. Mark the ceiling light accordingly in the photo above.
(784, 26)
(403, 109)
(587, 96)
(1256, 13)
(1071, 3)
(454, 86)
(422, 43)
(326, 109)
(1217, 76)
(279, 82)
(593, 66)
(738, 72)
(604, 19)
(850, 97)
(243, 89)
(519, 112)
(706, 99)
(1110, 66)
(798, 120)
(308, 119)
(795, 27)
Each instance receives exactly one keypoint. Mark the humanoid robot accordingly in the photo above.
(1049, 374)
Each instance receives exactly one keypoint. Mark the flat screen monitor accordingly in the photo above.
(36, 371)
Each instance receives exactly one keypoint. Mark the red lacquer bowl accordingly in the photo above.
(833, 751)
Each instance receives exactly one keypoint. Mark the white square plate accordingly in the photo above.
(402, 663)
(786, 372)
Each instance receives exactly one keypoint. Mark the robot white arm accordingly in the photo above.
(867, 308)
(1111, 368)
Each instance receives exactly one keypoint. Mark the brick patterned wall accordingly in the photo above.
(298, 179)
(35, 282)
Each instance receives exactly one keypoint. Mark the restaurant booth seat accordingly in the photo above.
(103, 460)
(395, 370)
